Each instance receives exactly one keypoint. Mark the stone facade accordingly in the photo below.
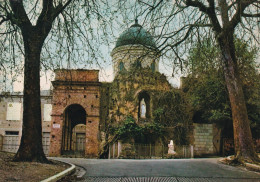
(206, 139)
(128, 55)
(127, 90)
(11, 127)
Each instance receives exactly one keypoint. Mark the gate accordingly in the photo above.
(46, 142)
(11, 143)
(80, 141)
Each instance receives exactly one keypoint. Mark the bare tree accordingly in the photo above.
(179, 24)
(45, 32)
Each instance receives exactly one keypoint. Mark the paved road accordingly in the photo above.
(161, 170)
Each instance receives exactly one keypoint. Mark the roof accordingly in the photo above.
(136, 34)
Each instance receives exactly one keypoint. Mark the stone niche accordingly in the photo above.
(129, 88)
(76, 100)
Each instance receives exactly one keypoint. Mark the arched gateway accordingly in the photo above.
(74, 130)
(75, 113)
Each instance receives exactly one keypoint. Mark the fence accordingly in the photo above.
(150, 151)
(10, 143)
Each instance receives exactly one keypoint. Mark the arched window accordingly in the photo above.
(153, 66)
(138, 64)
(121, 66)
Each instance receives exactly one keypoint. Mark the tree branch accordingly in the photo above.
(241, 6)
(60, 8)
(20, 17)
(251, 15)
(46, 13)
(224, 11)
(4, 19)
(210, 11)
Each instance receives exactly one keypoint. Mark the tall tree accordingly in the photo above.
(206, 88)
(179, 24)
(25, 27)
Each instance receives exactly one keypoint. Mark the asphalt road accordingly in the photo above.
(161, 170)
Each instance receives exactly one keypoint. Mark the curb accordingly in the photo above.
(62, 174)
(253, 166)
(249, 166)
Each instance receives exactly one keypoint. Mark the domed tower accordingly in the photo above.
(135, 47)
(137, 77)
(134, 92)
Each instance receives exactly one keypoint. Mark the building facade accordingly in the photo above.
(80, 112)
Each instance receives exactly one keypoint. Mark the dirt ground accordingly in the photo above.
(27, 171)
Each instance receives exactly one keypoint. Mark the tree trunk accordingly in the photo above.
(244, 146)
(31, 142)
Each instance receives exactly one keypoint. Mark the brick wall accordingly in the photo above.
(76, 87)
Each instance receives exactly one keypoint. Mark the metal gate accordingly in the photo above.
(46, 142)
(80, 141)
(11, 143)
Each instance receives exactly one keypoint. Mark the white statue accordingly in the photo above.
(171, 148)
(142, 108)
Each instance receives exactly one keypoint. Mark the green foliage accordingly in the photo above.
(205, 86)
(173, 111)
(131, 130)
(171, 108)
(209, 98)
(203, 58)
(180, 135)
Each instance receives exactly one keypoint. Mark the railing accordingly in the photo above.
(150, 151)
(12, 143)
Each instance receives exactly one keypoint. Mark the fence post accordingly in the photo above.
(1, 142)
(150, 150)
(114, 148)
(191, 151)
(118, 148)
(109, 152)
(162, 150)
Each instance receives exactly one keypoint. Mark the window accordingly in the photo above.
(153, 67)
(47, 112)
(121, 66)
(11, 132)
(138, 64)
(13, 111)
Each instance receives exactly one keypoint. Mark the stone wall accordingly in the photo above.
(203, 139)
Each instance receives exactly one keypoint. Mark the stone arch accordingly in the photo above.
(73, 115)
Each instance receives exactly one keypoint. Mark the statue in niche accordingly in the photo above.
(142, 108)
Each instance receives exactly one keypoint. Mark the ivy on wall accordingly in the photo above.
(129, 129)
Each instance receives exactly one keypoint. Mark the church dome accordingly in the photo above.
(136, 34)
